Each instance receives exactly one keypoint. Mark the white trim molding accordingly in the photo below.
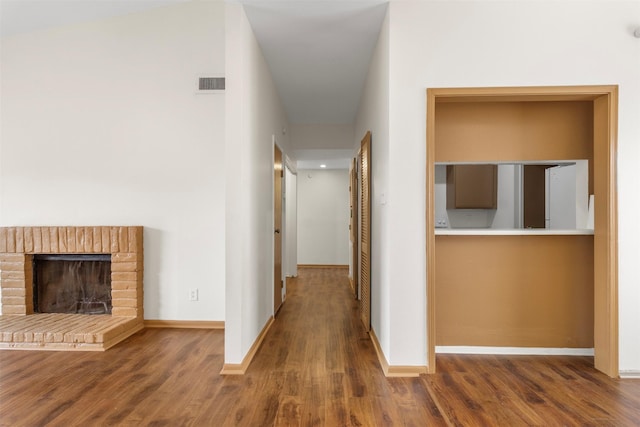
(528, 351)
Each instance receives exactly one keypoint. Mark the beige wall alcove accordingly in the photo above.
(572, 303)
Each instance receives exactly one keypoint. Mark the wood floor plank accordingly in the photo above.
(289, 411)
(361, 412)
(316, 367)
(336, 413)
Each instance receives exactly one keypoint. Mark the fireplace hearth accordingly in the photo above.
(51, 278)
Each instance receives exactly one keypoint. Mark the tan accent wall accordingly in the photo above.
(520, 291)
(508, 131)
(18, 244)
(492, 131)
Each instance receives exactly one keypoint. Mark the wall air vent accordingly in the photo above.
(210, 84)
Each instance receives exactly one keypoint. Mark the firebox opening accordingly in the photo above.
(72, 283)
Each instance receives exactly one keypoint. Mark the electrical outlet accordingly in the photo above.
(193, 294)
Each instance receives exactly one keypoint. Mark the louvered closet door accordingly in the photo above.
(353, 225)
(365, 231)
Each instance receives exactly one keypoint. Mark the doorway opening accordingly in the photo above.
(601, 102)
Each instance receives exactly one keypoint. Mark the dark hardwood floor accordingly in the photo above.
(316, 367)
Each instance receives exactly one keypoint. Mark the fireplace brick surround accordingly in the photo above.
(21, 328)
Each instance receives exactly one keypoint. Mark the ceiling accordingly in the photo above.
(318, 50)
(21, 16)
(318, 53)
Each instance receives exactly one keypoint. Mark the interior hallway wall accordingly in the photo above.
(323, 217)
(373, 115)
(254, 121)
(291, 232)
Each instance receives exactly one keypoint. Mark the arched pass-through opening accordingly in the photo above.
(602, 103)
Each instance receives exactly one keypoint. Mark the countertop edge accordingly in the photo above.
(518, 232)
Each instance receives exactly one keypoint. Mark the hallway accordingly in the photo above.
(316, 366)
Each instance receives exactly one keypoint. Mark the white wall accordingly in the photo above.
(505, 216)
(328, 144)
(100, 125)
(322, 136)
(373, 115)
(254, 117)
(484, 43)
(291, 214)
(323, 217)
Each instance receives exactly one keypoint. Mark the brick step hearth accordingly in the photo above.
(23, 329)
(54, 331)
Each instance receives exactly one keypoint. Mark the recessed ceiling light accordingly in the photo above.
(323, 166)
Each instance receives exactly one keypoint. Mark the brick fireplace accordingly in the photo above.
(21, 328)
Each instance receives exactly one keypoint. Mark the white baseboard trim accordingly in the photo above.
(528, 351)
(630, 374)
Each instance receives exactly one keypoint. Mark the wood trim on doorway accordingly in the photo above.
(431, 235)
(278, 232)
(605, 139)
(605, 103)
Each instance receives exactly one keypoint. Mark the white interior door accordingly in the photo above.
(560, 206)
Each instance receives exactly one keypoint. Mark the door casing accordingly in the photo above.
(278, 172)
